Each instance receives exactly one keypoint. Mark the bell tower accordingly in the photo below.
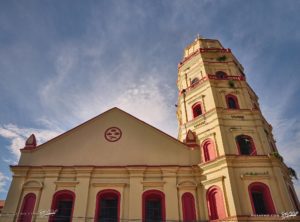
(243, 175)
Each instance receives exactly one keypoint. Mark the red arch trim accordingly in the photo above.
(196, 105)
(149, 194)
(62, 194)
(27, 208)
(208, 150)
(188, 207)
(215, 203)
(107, 193)
(261, 187)
(235, 100)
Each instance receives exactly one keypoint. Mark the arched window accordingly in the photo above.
(27, 208)
(194, 82)
(261, 199)
(108, 206)
(294, 199)
(208, 150)
(232, 102)
(188, 207)
(153, 206)
(221, 75)
(197, 110)
(245, 145)
(215, 203)
(63, 204)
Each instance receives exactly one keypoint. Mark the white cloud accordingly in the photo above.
(149, 101)
(18, 136)
(3, 180)
(126, 84)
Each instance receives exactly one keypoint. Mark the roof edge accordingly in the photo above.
(88, 121)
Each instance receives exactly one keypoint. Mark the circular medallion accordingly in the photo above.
(113, 134)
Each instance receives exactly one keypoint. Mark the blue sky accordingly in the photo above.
(63, 62)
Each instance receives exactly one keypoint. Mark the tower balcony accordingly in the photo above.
(200, 82)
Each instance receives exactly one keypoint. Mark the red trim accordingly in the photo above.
(107, 193)
(263, 188)
(62, 194)
(220, 62)
(253, 149)
(221, 75)
(213, 77)
(155, 194)
(188, 140)
(230, 96)
(113, 130)
(97, 166)
(208, 150)
(236, 77)
(27, 208)
(194, 85)
(202, 50)
(188, 207)
(215, 203)
(194, 107)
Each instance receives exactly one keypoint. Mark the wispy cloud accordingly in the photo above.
(126, 82)
(3, 180)
(17, 136)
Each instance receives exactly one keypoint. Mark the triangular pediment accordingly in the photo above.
(114, 138)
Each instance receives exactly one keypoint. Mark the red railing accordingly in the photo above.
(203, 50)
(214, 77)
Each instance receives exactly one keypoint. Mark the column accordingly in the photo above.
(83, 175)
(135, 192)
(171, 194)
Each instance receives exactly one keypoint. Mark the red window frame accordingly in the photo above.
(208, 148)
(153, 194)
(188, 207)
(234, 98)
(108, 193)
(253, 149)
(196, 105)
(215, 203)
(60, 195)
(27, 208)
(264, 189)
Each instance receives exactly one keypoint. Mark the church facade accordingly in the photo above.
(224, 166)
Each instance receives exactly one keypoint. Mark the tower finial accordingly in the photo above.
(30, 142)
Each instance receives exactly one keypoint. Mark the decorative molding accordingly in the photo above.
(157, 184)
(64, 183)
(207, 136)
(187, 185)
(33, 185)
(241, 130)
(214, 180)
(101, 184)
(255, 175)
